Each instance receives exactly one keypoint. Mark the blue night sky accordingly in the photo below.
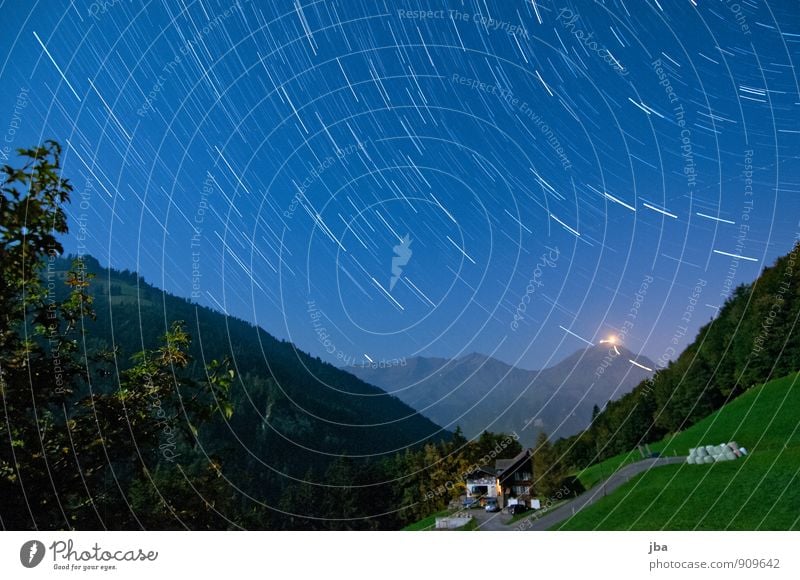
(529, 166)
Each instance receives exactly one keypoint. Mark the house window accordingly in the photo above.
(522, 475)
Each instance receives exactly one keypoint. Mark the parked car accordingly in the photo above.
(470, 502)
(491, 506)
(517, 508)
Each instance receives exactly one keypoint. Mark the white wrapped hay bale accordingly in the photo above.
(713, 453)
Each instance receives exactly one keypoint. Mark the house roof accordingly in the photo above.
(503, 465)
(482, 471)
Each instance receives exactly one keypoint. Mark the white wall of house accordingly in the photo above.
(484, 482)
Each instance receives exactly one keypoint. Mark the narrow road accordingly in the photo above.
(595, 494)
(491, 522)
(542, 520)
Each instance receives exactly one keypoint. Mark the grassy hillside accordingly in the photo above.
(763, 419)
(752, 339)
(596, 473)
(759, 492)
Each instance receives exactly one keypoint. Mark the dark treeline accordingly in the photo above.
(752, 340)
(124, 407)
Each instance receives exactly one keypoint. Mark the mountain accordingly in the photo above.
(478, 393)
(294, 412)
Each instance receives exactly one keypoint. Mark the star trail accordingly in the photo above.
(423, 178)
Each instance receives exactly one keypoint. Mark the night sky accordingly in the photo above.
(376, 180)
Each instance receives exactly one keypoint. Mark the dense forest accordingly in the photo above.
(125, 407)
(752, 340)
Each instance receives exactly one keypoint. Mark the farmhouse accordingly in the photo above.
(515, 479)
(508, 482)
(481, 485)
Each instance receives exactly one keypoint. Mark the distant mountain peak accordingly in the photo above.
(476, 358)
(479, 392)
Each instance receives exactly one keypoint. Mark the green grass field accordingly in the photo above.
(758, 492)
(761, 417)
(426, 523)
(596, 473)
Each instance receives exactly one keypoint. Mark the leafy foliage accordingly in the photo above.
(81, 439)
(545, 467)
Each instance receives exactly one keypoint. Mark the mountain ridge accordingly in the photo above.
(478, 392)
(292, 407)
